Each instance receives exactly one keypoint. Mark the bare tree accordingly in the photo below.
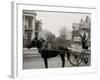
(63, 34)
(49, 36)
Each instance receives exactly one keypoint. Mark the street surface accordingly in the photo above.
(33, 60)
(36, 62)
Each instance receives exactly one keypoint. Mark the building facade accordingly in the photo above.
(31, 26)
(38, 29)
(84, 26)
(29, 18)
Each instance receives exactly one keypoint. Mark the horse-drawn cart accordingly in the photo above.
(75, 57)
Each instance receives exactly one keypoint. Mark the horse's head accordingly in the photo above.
(35, 43)
(31, 44)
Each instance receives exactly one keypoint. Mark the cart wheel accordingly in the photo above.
(86, 58)
(75, 60)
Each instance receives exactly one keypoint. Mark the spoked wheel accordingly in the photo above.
(75, 60)
(86, 58)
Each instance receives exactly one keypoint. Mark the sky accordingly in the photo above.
(54, 21)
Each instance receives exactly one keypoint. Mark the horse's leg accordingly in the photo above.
(63, 59)
(68, 56)
(45, 62)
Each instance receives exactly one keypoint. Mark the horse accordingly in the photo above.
(49, 53)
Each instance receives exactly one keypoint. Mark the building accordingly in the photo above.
(38, 29)
(29, 18)
(84, 26)
(31, 26)
(75, 32)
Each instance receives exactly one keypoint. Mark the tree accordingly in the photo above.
(63, 34)
(49, 36)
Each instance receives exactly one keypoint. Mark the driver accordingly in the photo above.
(85, 40)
